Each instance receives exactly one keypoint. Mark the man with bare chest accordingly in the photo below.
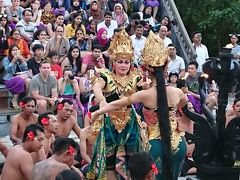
(50, 125)
(65, 119)
(18, 165)
(23, 119)
(65, 150)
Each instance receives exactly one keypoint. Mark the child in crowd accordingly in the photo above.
(56, 70)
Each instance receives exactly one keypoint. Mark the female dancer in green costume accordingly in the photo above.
(120, 129)
(166, 142)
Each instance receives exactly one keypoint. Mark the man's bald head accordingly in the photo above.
(162, 31)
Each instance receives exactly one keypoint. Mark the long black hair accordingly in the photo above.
(78, 60)
(164, 124)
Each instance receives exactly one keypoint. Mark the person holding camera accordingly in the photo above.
(68, 88)
(13, 64)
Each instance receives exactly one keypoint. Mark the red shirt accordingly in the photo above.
(56, 71)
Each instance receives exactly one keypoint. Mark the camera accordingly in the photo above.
(14, 15)
(71, 77)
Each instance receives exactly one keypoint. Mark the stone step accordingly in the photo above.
(5, 97)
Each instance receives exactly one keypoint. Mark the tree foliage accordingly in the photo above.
(216, 19)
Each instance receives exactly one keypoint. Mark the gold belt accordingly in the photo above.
(153, 132)
(120, 119)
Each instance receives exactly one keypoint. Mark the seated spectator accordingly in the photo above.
(13, 64)
(34, 62)
(176, 63)
(23, 119)
(58, 4)
(112, 3)
(120, 16)
(102, 40)
(58, 43)
(66, 121)
(19, 163)
(16, 39)
(143, 161)
(47, 14)
(68, 175)
(109, 24)
(172, 79)
(64, 152)
(166, 22)
(91, 29)
(25, 26)
(43, 87)
(73, 59)
(76, 23)
(146, 15)
(68, 88)
(163, 34)
(52, 26)
(2, 7)
(134, 21)
(14, 13)
(4, 23)
(75, 8)
(79, 39)
(138, 41)
(39, 37)
(37, 12)
(49, 124)
(95, 13)
(56, 70)
(93, 60)
(154, 4)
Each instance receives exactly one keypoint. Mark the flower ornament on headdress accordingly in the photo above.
(45, 121)
(22, 104)
(121, 46)
(60, 106)
(154, 53)
(71, 150)
(30, 135)
(154, 168)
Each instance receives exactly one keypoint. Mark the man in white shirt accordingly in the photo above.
(163, 34)
(176, 63)
(201, 50)
(108, 24)
(138, 41)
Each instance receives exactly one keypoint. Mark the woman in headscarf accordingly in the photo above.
(120, 16)
(166, 143)
(95, 12)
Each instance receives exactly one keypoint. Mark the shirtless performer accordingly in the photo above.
(88, 137)
(23, 119)
(18, 165)
(65, 119)
(65, 150)
(49, 123)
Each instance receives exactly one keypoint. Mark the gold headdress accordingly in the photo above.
(154, 54)
(121, 47)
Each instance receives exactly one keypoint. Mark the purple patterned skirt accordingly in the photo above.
(16, 85)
